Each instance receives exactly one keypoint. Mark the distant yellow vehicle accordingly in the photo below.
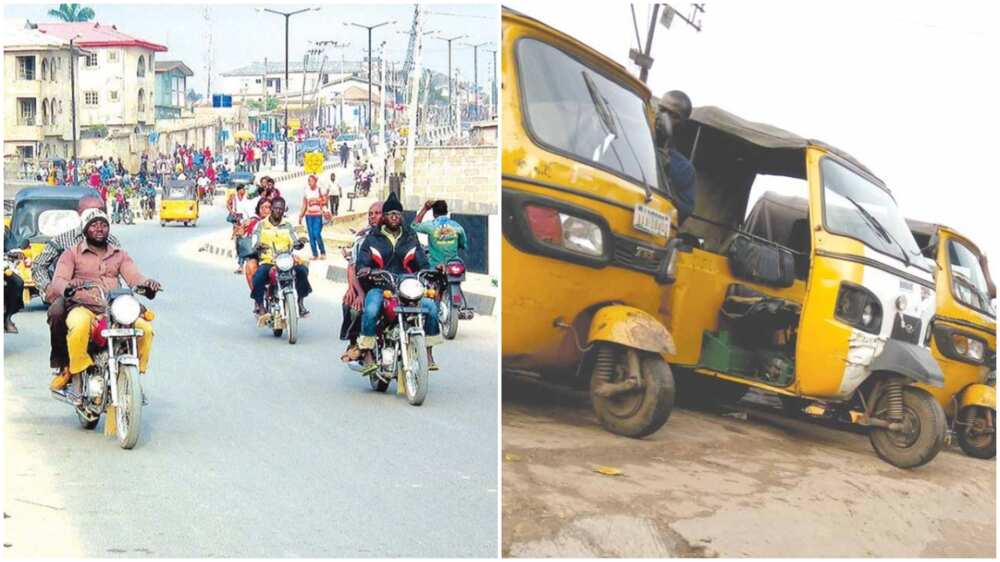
(964, 338)
(828, 306)
(586, 227)
(179, 203)
(40, 213)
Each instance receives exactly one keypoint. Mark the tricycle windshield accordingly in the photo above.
(575, 110)
(968, 280)
(856, 207)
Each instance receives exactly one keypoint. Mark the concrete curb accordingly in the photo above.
(483, 304)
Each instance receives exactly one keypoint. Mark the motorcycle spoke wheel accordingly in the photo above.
(129, 411)
(418, 376)
(292, 320)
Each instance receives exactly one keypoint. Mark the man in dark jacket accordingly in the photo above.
(676, 106)
(396, 249)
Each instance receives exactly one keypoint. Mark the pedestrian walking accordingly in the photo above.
(336, 192)
(313, 209)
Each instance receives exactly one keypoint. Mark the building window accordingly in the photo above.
(90, 98)
(26, 111)
(256, 81)
(142, 100)
(45, 108)
(113, 95)
(91, 60)
(140, 69)
(113, 55)
(45, 69)
(26, 68)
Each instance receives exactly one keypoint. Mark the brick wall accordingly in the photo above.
(465, 176)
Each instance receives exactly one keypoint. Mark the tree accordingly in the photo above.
(72, 12)
(193, 97)
(272, 104)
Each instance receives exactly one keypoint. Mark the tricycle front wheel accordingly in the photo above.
(623, 404)
(977, 434)
(923, 427)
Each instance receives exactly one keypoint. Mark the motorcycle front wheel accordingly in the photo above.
(418, 376)
(129, 411)
(292, 320)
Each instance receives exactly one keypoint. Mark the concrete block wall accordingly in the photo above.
(465, 176)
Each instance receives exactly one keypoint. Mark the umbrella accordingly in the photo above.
(244, 135)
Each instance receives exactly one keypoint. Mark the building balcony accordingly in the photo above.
(24, 133)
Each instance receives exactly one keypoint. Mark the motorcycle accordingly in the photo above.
(113, 380)
(149, 206)
(123, 213)
(452, 305)
(400, 348)
(281, 300)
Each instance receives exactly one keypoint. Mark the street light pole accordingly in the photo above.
(451, 100)
(287, 16)
(493, 82)
(72, 104)
(475, 70)
(368, 124)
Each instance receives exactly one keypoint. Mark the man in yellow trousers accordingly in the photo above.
(97, 262)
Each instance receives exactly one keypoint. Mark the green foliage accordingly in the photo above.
(271, 105)
(193, 96)
(72, 12)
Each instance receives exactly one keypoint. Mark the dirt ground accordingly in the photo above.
(746, 481)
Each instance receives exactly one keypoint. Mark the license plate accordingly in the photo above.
(651, 221)
(121, 332)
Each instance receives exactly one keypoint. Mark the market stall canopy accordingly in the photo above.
(244, 135)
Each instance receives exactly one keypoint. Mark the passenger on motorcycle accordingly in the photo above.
(354, 297)
(445, 237)
(94, 260)
(394, 248)
(277, 234)
(13, 291)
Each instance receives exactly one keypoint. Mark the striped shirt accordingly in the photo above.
(44, 266)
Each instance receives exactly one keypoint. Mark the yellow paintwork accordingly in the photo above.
(958, 375)
(694, 301)
(539, 291)
(978, 395)
(178, 210)
(631, 327)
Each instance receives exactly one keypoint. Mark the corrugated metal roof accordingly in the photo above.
(93, 34)
(168, 65)
(20, 33)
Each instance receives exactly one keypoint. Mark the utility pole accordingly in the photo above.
(334, 45)
(451, 117)
(475, 71)
(370, 28)
(287, 16)
(263, 99)
(411, 136)
(381, 96)
(493, 81)
(302, 98)
(208, 53)
(642, 58)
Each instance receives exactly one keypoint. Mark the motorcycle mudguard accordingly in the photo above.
(978, 395)
(631, 327)
(127, 360)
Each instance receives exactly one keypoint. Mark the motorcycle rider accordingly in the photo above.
(13, 295)
(445, 237)
(394, 248)
(42, 271)
(94, 260)
(354, 297)
(275, 233)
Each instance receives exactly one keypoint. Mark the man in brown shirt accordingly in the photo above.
(94, 260)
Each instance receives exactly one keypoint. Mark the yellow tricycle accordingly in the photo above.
(963, 338)
(179, 202)
(828, 306)
(586, 228)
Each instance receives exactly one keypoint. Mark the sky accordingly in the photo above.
(909, 88)
(241, 35)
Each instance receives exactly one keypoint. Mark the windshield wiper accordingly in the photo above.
(878, 228)
(600, 104)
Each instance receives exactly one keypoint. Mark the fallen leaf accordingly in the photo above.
(511, 457)
(609, 471)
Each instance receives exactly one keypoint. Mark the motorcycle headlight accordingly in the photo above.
(411, 289)
(125, 309)
(284, 262)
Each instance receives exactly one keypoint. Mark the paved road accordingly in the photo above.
(251, 447)
(733, 483)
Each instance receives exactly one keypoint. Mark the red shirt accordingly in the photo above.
(210, 174)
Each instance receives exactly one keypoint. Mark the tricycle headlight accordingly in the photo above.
(969, 347)
(125, 309)
(284, 262)
(411, 289)
(858, 307)
(562, 230)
